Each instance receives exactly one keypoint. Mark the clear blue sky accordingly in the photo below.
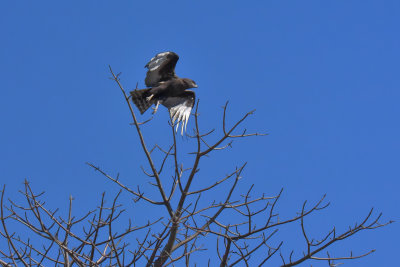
(323, 76)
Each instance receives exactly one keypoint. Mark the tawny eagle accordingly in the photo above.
(167, 89)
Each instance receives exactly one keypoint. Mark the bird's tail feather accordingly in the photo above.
(139, 99)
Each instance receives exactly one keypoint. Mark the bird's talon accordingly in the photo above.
(149, 97)
(156, 107)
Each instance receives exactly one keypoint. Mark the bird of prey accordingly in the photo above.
(167, 89)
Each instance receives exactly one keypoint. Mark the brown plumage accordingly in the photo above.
(166, 88)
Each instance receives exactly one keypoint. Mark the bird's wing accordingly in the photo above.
(180, 108)
(161, 68)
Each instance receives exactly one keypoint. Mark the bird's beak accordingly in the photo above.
(195, 86)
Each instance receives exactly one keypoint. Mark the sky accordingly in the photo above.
(323, 77)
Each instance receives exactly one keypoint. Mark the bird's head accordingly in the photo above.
(190, 83)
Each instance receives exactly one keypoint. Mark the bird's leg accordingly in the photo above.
(156, 108)
(149, 97)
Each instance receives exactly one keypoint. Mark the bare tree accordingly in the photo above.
(233, 229)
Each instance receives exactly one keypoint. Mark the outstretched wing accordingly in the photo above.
(180, 108)
(161, 68)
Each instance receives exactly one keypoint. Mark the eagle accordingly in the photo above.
(167, 89)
